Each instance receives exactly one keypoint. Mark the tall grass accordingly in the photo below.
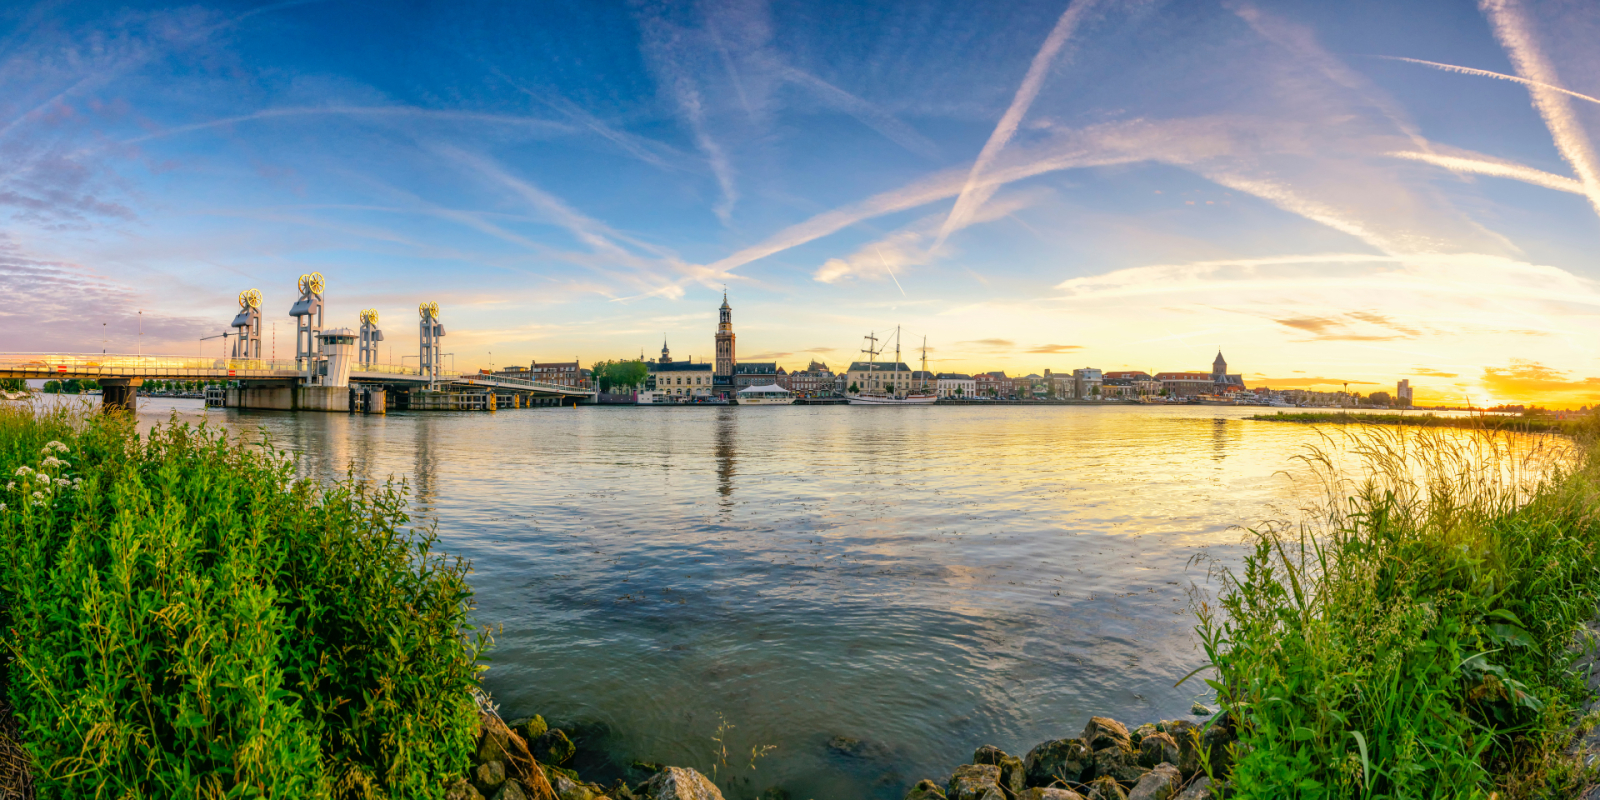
(183, 618)
(1415, 638)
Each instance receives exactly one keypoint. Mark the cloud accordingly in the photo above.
(1514, 33)
(868, 114)
(1496, 168)
(974, 193)
(1487, 74)
(1532, 382)
(1054, 348)
(1309, 383)
(408, 112)
(905, 248)
(997, 343)
(1433, 373)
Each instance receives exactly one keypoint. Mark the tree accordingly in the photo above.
(71, 386)
(960, 390)
(629, 373)
(1379, 398)
(89, 384)
(52, 387)
(13, 385)
(854, 389)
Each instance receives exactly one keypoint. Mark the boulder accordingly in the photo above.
(510, 790)
(681, 783)
(488, 776)
(1200, 789)
(552, 747)
(1186, 734)
(1058, 760)
(1200, 710)
(975, 782)
(1157, 748)
(1140, 732)
(1105, 788)
(529, 728)
(462, 790)
(1119, 763)
(1012, 772)
(1217, 739)
(1049, 793)
(925, 790)
(568, 787)
(1102, 732)
(1160, 783)
(492, 745)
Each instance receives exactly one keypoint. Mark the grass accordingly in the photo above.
(184, 618)
(1415, 638)
(1520, 424)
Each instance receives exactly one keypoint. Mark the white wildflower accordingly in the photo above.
(51, 461)
(11, 486)
(23, 471)
(38, 495)
(63, 482)
(55, 446)
(2, 506)
(43, 478)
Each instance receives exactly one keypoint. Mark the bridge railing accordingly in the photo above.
(520, 383)
(386, 369)
(125, 364)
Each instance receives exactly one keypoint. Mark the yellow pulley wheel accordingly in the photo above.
(251, 298)
(422, 310)
(317, 284)
(304, 283)
(433, 310)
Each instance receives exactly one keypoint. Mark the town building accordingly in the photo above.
(679, 379)
(816, 380)
(876, 376)
(1143, 384)
(1224, 382)
(758, 373)
(993, 384)
(1185, 384)
(725, 358)
(956, 385)
(561, 373)
(1402, 393)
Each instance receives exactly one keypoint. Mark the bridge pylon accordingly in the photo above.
(247, 345)
(428, 354)
(307, 312)
(371, 334)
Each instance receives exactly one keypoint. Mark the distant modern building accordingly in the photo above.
(1086, 383)
(956, 385)
(1402, 393)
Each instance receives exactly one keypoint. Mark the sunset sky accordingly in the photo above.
(1329, 192)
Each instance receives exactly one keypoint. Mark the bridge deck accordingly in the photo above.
(102, 366)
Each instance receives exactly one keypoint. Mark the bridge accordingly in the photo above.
(279, 384)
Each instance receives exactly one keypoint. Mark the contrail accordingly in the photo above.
(891, 272)
(1513, 33)
(1487, 74)
(974, 193)
(1496, 169)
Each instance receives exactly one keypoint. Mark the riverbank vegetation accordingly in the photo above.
(184, 618)
(1490, 422)
(1418, 637)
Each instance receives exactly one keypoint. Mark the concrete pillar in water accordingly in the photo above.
(120, 394)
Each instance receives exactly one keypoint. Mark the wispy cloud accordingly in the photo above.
(1524, 381)
(1483, 73)
(409, 112)
(1003, 343)
(1054, 348)
(1496, 168)
(975, 192)
(1512, 30)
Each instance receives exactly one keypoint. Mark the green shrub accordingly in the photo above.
(1417, 644)
(185, 619)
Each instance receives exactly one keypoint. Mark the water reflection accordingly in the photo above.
(924, 580)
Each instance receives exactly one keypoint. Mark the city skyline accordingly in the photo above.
(1357, 195)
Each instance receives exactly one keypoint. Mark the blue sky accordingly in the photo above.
(1028, 185)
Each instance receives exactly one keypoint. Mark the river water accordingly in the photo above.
(923, 580)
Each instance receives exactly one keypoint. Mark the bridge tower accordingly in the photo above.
(431, 359)
(370, 336)
(248, 344)
(307, 312)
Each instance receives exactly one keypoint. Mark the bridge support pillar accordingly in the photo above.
(120, 394)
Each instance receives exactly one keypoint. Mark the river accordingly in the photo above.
(923, 580)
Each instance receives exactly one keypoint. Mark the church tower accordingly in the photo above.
(1219, 369)
(723, 374)
(666, 355)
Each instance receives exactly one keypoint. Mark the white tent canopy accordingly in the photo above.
(768, 389)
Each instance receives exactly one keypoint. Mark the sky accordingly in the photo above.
(1330, 193)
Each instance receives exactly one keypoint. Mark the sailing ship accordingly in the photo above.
(899, 393)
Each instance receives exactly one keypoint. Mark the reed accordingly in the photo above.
(1493, 422)
(184, 618)
(1415, 637)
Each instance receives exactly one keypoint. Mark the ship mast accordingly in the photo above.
(924, 364)
(897, 359)
(872, 355)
